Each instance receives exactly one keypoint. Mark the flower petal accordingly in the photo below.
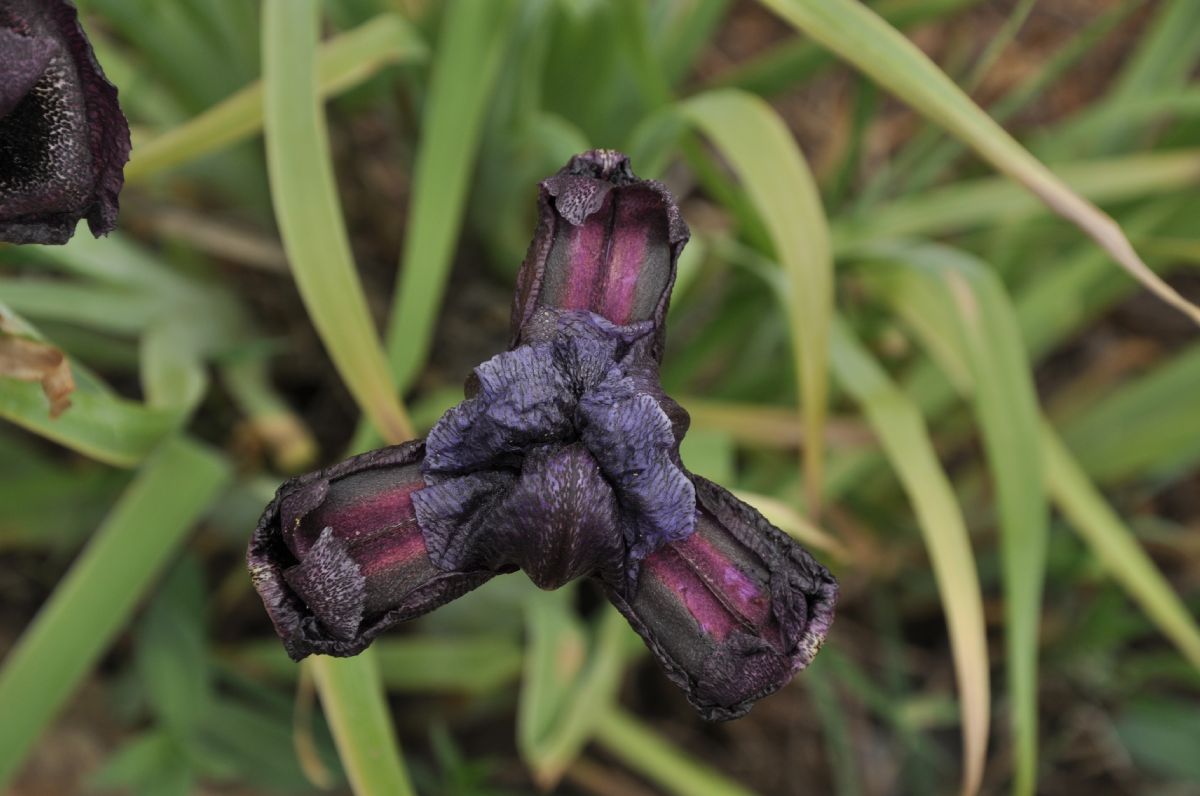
(734, 610)
(65, 142)
(606, 242)
(25, 59)
(633, 439)
(338, 556)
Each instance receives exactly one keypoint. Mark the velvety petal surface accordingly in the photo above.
(338, 556)
(606, 242)
(733, 611)
(64, 141)
(24, 60)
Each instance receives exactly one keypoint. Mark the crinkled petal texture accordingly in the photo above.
(63, 139)
(563, 461)
(338, 556)
(734, 610)
(572, 410)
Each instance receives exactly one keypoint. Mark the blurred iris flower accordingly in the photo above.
(563, 462)
(63, 139)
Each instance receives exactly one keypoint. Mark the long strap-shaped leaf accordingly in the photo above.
(1115, 545)
(563, 694)
(905, 439)
(314, 234)
(96, 597)
(961, 309)
(465, 64)
(342, 63)
(751, 136)
(864, 39)
(309, 213)
(655, 758)
(361, 723)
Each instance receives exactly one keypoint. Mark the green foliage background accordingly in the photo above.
(954, 397)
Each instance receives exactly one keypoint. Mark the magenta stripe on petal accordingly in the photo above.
(674, 572)
(724, 577)
(626, 256)
(363, 505)
(587, 246)
(391, 550)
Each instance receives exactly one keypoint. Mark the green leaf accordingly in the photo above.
(172, 654)
(153, 763)
(647, 753)
(94, 600)
(309, 213)
(861, 37)
(1116, 547)
(991, 200)
(466, 63)
(571, 678)
(760, 148)
(356, 708)
(98, 425)
(419, 663)
(1148, 427)
(1160, 737)
(905, 439)
(342, 63)
(960, 310)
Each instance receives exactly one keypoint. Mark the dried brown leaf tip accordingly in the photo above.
(63, 139)
(25, 359)
(563, 462)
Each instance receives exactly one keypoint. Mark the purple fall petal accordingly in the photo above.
(338, 556)
(63, 139)
(606, 242)
(733, 611)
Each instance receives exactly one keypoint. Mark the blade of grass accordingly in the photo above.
(94, 600)
(466, 61)
(1149, 427)
(97, 424)
(861, 37)
(839, 746)
(356, 707)
(962, 313)
(314, 234)
(987, 200)
(782, 67)
(647, 753)
(556, 723)
(424, 663)
(1164, 59)
(995, 48)
(309, 213)
(905, 440)
(759, 147)
(342, 63)
(1115, 545)
(930, 153)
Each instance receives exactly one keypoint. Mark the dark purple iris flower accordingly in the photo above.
(63, 139)
(562, 462)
